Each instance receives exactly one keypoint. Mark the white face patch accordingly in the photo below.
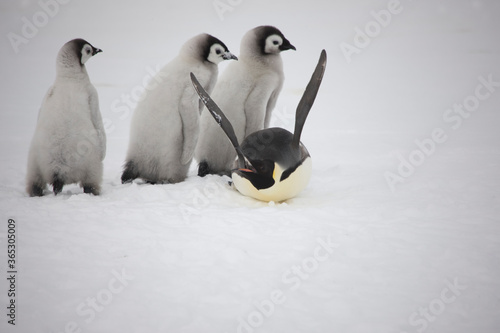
(273, 44)
(87, 53)
(216, 53)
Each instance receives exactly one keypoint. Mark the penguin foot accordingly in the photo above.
(57, 185)
(203, 169)
(89, 189)
(36, 191)
(129, 174)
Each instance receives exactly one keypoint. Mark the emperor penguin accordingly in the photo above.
(272, 164)
(165, 123)
(69, 143)
(247, 92)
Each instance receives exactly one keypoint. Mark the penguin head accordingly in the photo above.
(75, 53)
(205, 47)
(274, 169)
(265, 40)
(217, 51)
(87, 51)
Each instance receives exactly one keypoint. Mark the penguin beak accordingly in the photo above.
(258, 181)
(287, 46)
(247, 169)
(96, 50)
(257, 169)
(229, 56)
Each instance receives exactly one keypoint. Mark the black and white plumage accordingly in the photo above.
(272, 164)
(247, 92)
(69, 143)
(165, 125)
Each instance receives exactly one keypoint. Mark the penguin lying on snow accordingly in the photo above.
(69, 143)
(247, 91)
(272, 164)
(165, 124)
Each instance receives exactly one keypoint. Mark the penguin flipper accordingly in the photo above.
(219, 117)
(190, 127)
(96, 118)
(258, 99)
(308, 98)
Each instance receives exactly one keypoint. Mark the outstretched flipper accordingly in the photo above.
(220, 118)
(308, 98)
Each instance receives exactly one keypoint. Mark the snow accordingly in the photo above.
(349, 254)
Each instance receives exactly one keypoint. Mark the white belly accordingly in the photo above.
(280, 191)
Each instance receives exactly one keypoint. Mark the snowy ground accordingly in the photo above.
(373, 244)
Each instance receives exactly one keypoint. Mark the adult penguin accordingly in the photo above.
(272, 164)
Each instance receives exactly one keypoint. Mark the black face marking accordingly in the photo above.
(260, 182)
(263, 167)
(265, 31)
(77, 48)
(304, 154)
(211, 40)
(288, 172)
(287, 45)
(292, 169)
(265, 148)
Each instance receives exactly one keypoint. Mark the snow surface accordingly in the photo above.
(347, 255)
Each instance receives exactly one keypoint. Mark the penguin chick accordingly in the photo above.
(69, 143)
(247, 92)
(165, 124)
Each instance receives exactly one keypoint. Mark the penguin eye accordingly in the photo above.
(275, 42)
(264, 167)
(218, 51)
